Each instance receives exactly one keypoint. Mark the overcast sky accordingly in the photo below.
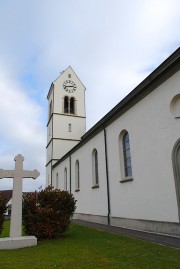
(111, 45)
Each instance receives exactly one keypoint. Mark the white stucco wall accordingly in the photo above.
(94, 199)
(48, 174)
(89, 200)
(153, 132)
(61, 127)
(60, 171)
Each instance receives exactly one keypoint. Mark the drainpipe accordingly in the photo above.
(107, 175)
(70, 172)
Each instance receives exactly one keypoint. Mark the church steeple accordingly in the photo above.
(66, 117)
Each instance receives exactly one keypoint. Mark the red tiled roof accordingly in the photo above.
(7, 194)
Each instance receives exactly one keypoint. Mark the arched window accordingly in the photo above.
(95, 168)
(176, 168)
(57, 181)
(72, 105)
(77, 177)
(66, 110)
(69, 105)
(127, 155)
(65, 179)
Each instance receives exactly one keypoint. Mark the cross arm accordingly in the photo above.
(7, 173)
(31, 174)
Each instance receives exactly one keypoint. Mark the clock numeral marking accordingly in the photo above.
(69, 86)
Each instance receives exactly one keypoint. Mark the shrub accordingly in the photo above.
(3, 208)
(47, 214)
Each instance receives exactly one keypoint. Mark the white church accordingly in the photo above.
(125, 170)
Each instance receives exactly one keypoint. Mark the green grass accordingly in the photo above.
(6, 228)
(86, 248)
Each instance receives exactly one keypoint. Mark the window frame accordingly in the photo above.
(69, 128)
(69, 105)
(72, 106)
(95, 169)
(66, 104)
(65, 178)
(77, 176)
(124, 148)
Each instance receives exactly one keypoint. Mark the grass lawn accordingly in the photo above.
(6, 228)
(83, 247)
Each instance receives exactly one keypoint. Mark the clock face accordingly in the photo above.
(69, 86)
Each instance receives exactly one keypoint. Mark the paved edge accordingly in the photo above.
(161, 239)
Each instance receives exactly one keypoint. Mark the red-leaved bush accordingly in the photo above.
(47, 214)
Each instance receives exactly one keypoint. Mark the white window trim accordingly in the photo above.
(121, 158)
(77, 176)
(95, 170)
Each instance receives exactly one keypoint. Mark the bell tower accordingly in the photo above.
(66, 117)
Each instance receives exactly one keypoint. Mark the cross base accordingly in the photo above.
(17, 242)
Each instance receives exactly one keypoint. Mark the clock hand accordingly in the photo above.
(66, 86)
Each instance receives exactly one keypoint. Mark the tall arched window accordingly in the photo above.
(57, 181)
(95, 168)
(127, 155)
(72, 105)
(65, 179)
(176, 168)
(66, 104)
(77, 177)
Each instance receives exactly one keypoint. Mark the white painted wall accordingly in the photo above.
(89, 200)
(48, 174)
(61, 127)
(60, 170)
(153, 132)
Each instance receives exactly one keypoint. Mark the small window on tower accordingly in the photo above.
(69, 127)
(69, 75)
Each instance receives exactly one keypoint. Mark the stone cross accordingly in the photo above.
(18, 174)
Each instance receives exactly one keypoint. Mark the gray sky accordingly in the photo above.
(111, 45)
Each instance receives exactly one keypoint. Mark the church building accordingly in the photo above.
(125, 170)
